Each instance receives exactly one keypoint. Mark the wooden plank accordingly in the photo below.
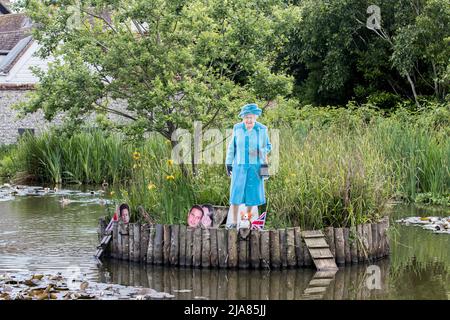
(137, 242)
(182, 260)
(158, 244)
(298, 246)
(339, 245)
(255, 250)
(101, 228)
(174, 255)
(290, 248)
(369, 241)
(325, 264)
(265, 248)
(329, 236)
(115, 246)
(316, 243)
(323, 253)
(365, 240)
(353, 244)
(315, 290)
(374, 247)
(197, 248)
(347, 252)
(189, 246)
(312, 234)
(222, 246)
(144, 242)
(325, 274)
(232, 248)
(206, 248)
(360, 242)
(320, 282)
(166, 244)
(283, 247)
(214, 248)
(125, 244)
(151, 244)
(131, 241)
(275, 255)
(243, 251)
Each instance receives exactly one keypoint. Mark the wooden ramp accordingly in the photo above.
(318, 285)
(319, 250)
(103, 246)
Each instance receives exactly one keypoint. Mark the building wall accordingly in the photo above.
(10, 123)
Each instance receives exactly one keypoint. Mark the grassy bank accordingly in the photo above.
(337, 166)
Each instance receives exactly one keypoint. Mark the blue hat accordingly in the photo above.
(251, 108)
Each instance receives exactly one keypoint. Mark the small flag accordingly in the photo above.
(258, 224)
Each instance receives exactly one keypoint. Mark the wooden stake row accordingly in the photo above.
(179, 245)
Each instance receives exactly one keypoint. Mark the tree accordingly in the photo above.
(172, 61)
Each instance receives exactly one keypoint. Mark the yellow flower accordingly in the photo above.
(168, 141)
(112, 193)
(170, 162)
(134, 166)
(151, 186)
(136, 155)
(170, 177)
(293, 175)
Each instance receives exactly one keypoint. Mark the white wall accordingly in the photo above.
(20, 72)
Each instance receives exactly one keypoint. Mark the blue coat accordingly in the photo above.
(246, 184)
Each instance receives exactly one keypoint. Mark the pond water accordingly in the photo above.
(39, 235)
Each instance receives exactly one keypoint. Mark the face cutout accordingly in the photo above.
(125, 215)
(195, 216)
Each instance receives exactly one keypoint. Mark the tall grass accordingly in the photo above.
(87, 157)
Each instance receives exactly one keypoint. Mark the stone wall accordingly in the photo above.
(10, 124)
(9, 121)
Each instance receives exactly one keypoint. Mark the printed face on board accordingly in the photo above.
(249, 121)
(125, 215)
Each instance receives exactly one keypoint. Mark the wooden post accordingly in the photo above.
(265, 248)
(360, 241)
(189, 245)
(347, 251)
(115, 240)
(126, 241)
(329, 235)
(158, 244)
(131, 241)
(197, 248)
(243, 249)
(166, 244)
(369, 240)
(290, 250)
(214, 248)
(151, 244)
(275, 256)
(283, 247)
(386, 239)
(232, 248)
(174, 245)
(145, 229)
(182, 245)
(101, 228)
(255, 253)
(353, 244)
(137, 242)
(339, 246)
(298, 246)
(374, 251)
(308, 262)
(222, 247)
(366, 242)
(380, 239)
(206, 248)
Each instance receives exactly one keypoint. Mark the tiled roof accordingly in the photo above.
(15, 31)
(4, 7)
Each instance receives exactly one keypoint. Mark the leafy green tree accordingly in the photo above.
(173, 61)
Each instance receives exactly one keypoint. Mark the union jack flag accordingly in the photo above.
(258, 224)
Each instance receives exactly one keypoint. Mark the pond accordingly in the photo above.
(38, 234)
